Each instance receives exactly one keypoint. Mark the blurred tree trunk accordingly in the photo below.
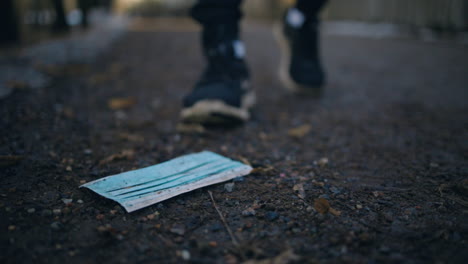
(85, 6)
(60, 23)
(9, 31)
(107, 4)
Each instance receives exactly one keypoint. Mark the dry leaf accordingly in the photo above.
(299, 132)
(190, 128)
(131, 137)
(260, 170)
(125, 154)
(111, 73)
(299, 189)
(334, 212)
(321, 205)
(68, 112)
(14, 84)
(322, 162)
(264, 136)
(98, 78)
(244, 160)
(121, 103)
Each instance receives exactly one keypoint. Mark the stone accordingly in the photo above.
(229, 187)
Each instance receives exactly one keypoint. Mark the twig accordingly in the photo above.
(233, 238)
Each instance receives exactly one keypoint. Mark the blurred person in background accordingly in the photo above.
(223, 93)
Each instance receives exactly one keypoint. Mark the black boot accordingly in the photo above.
(223, 93)
(301, 70)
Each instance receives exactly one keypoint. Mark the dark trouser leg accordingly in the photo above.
(301, 70)
(217, 11)
(222, 94)
(219, 18)
(310, 8)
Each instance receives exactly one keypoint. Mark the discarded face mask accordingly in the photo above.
(140, 188)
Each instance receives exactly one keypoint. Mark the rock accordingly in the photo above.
(57, 211)
(271, 216)
(299, 190)
(322, 162)
(31, 210)
(67, 201)
(185, 254)
(249, 212)
(80, 201)
(87, 151)
(178, 229)
(229, 187)
(239, 179)
(56, 225)
(335, 190)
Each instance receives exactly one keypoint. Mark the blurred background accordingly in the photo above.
(30, 20)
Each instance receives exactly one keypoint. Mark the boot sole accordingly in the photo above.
(283, 70)
(217, 112)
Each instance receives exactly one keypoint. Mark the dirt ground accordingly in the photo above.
(386, 147)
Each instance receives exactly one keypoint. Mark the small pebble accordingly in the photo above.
(31, 210)
(11, 227)
(80, 201)
(57, 211)
(335, 190)
(67, 201)
(271, 216)
(249, 212)
(88, 151)
(55, 225)
(322, 162)
(178, 229)
(185, 254)
(229, 187)
(213, 244)
(100, 217)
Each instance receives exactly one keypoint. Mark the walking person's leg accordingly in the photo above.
(223, 93)
(310, 7)
(301, 69)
